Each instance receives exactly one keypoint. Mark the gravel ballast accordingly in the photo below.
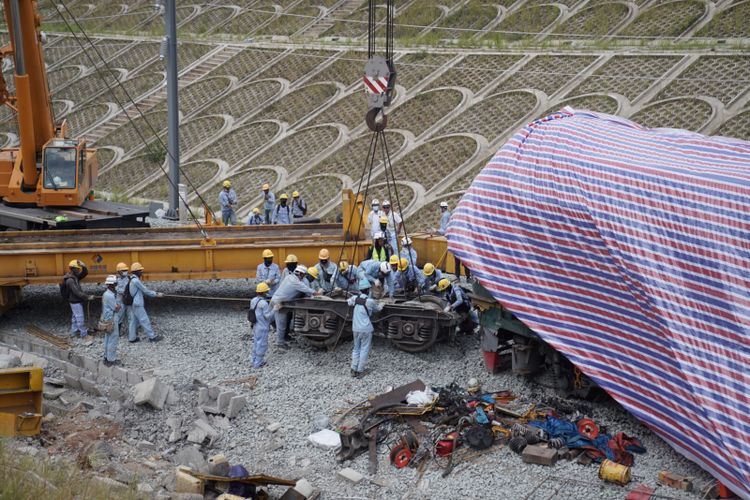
(207, 341)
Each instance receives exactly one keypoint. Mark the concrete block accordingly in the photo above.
(213, 391)
(52, 393)
(186, 483)
(172, 397)
(202, 395)
(196, 435)
(72, 369)
(115, 394)
(31, 360)
(90, 386)
(222, 402)
(9, 361)
(103, 370)
(351, 475)
(236, 404)
(76, 359)
(151, 392)
(210, 431)
(72, 381)
(273, 427)
(134, 377)
(201, 414)
(534, 454)
(90, 365)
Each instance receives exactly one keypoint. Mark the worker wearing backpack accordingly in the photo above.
(70, 288)
(259, 315)
(134, 293)
(364, 308)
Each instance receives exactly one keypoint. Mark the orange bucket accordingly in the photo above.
(613, 472)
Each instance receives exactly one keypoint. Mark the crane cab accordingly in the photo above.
(68, 172)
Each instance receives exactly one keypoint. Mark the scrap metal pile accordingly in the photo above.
(449, 425)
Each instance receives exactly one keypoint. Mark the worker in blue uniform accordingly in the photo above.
(326, 270)
(268, 272)
(290, 288)
(364, 308)
(138, 314)
(262, 326)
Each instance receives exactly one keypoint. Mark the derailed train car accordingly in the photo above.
(626, 250)
(412, 325)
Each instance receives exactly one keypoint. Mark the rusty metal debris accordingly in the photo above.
(48, 337)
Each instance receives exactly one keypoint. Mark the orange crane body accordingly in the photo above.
(46, 169)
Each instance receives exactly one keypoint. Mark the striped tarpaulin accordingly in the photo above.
(628, 250)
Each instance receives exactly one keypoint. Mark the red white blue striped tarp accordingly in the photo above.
(628, 250)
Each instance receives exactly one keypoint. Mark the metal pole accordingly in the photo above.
(173, 110)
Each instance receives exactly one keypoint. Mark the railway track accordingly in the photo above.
(48, 337)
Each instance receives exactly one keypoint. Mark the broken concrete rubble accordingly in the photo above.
(212, 399)
(351, 475)
(190, 456)
(152, 392)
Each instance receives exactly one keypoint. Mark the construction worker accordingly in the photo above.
(346, 277)
(74, 294)
(282, 214)
(138, 314)
(388, 236)
(373, 219)
(227, 200)
(290, 266)
(432, 277)
(378, 250)
(269, 202)
(254, 219)
(312, 279)
(394, 221)
(407, 251)
(379, 276)
(110, 309)
(291, 288)
(262, 326)
(364, 308)
(268, 273)
(458, 301)
(408, 278)
(123, 314)
(326, 270)
(299, 207)
(445, 216)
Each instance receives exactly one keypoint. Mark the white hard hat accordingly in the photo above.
(385, 268)
(302, 269)
(406, 241)
(375, 201)
(378, 235)
(386, 203)
(111, 280)
(443, 204)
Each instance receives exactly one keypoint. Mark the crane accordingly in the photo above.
(380, 73)
(48, 179)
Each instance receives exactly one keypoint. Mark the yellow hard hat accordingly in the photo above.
(443, 284)
(265, 186)
(393, 260)
(136, 266)
(122, 267)
(284, 196)
(262, 287)
(313, 271)
(74, 264)
(267, 253)
(429, 269)
(295, 194)
(256, 210)
(383, 220)
(343, 266)
(227, 184)
(323, 254)
(291, 258)
(403, 264)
